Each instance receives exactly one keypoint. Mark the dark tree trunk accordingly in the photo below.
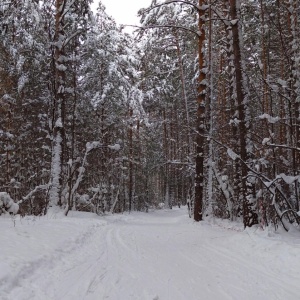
(249, 215)
(200, 140)
(58, 106)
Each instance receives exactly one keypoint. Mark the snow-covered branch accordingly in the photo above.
(168, 26)
(196, 7)
(37, 188)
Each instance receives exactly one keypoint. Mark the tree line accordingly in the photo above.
(199, 106)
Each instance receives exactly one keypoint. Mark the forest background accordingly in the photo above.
(199, 106)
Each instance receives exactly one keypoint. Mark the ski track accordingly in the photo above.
(158, 256)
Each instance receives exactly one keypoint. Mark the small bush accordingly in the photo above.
(7, 204)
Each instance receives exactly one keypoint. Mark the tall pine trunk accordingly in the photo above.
(200, 140)
(249, 215)
(59, 103)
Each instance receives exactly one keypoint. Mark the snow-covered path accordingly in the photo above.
(161, 255)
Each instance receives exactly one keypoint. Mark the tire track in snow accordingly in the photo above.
(152, 256)
(45, 278)
(153, 265)
(244, 270)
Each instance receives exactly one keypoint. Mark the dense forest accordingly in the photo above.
(199, 106)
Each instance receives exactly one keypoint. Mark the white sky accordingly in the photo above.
(124, 11)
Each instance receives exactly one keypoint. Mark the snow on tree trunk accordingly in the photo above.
(249, 215)
(200, 140)
(59, 102)
(55, 189)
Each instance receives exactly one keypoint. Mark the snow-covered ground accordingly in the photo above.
(162, 255)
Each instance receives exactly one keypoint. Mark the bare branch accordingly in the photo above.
(282, 146)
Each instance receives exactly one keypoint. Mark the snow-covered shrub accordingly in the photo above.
(7, 204)
(161, 205)
(84, 199)
(83, 203)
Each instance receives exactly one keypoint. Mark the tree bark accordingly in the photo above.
(200, 139)
(59, 94)
(249, 215)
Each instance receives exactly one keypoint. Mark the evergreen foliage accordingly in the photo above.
(204, 94)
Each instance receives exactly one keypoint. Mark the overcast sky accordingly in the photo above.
(124, 12)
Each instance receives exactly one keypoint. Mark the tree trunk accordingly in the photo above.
(130, 137)
(59, 103)
(249, 215)
(200, 140)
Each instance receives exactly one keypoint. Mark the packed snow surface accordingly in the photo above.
(160, 255)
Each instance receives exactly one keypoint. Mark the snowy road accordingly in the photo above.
(157, 256)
